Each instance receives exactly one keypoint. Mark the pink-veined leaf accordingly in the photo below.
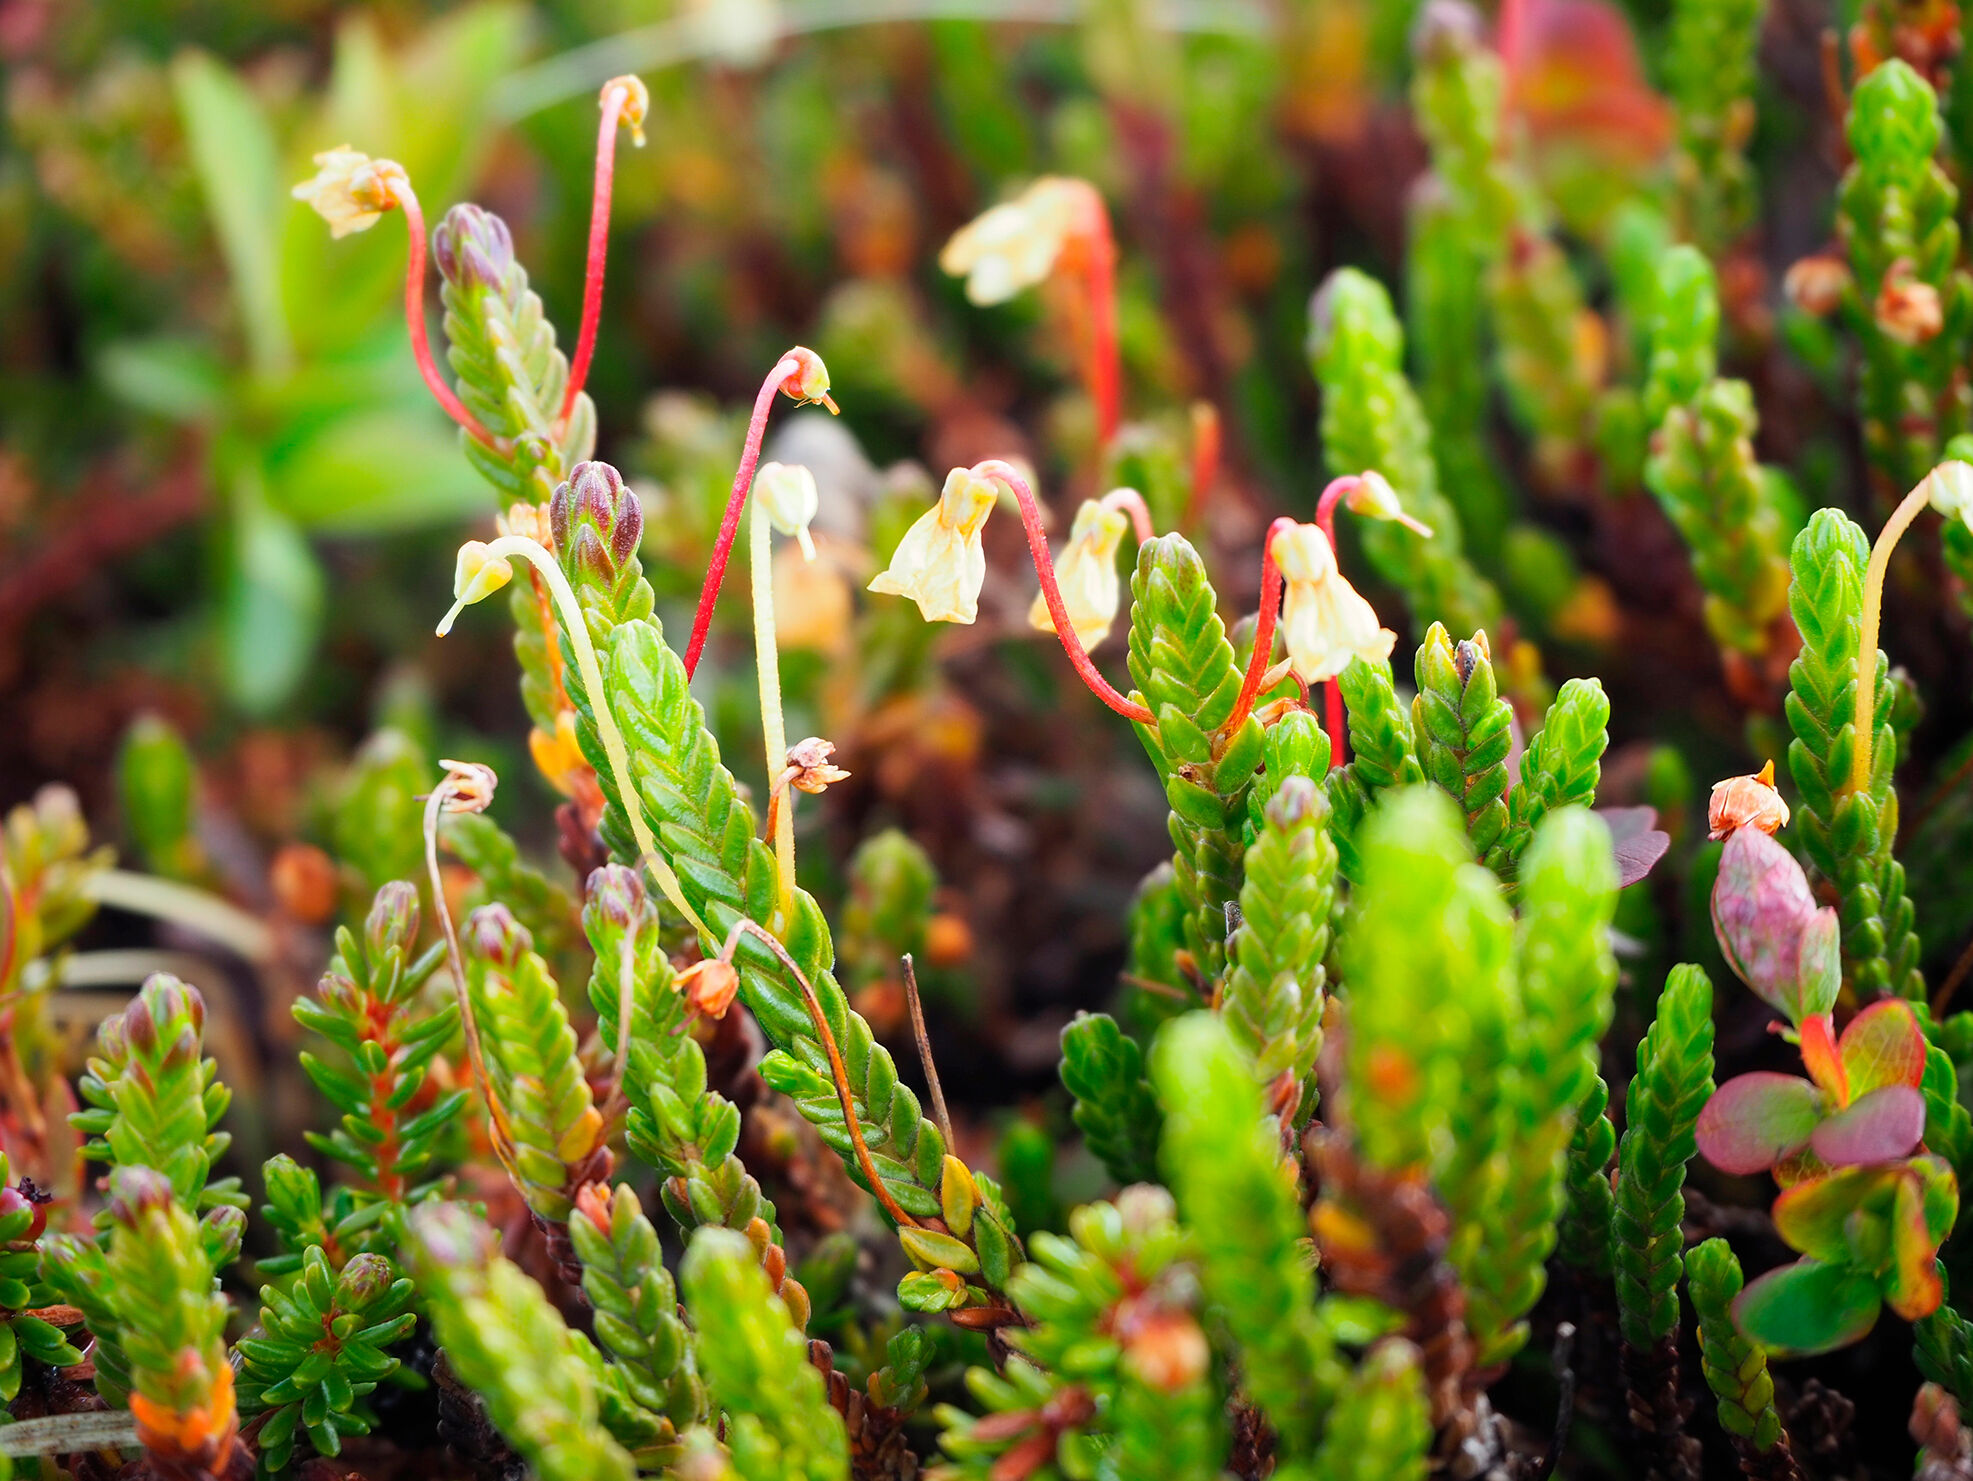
(1819, 969)
(1807, 1307)
(1761, 908)
(1884, 1125)
(1755, 1120)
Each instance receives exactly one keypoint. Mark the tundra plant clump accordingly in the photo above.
(1412, 1148)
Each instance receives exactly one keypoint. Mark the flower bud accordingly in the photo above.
(365, 1278)
(136, 1191)
(493, 935)
(473, 248)
(809, 380)
(1746, 801)
(1815, 284)
(350, 190)
(1907, 308)
(787, 492)
(617, 895)
(476, 577)
(392, 925)
(1952, 490)
(592, 1201)
(1166, 1349)
(1372, 496)
(595, 495)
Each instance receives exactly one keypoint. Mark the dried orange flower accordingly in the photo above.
(1815, 284)
(468, 786)
(809, 767)
(1742, 801)
(1907, 309)
(709, 986)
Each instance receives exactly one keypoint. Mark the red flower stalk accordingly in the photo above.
(1051, 593)
(414, 316)
(801, 375)
(1336, 491)
(624, 101)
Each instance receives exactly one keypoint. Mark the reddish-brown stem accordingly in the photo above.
(599, 246)
(1332, 691)
(729, 522)
(1051, 593)
(839, 1072)
(1264, 621)
(414, 316)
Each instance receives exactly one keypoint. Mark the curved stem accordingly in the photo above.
(839, 1072)
(599, 246)
(503, 1136)
(1051, 593)
(729, 522)
(1131, 502)
(1873, 611)
(773, 726)
(1264, 622)
(414, 316)
(599, 704)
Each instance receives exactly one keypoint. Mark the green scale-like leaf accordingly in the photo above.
(1464, 730)
(1184, 670)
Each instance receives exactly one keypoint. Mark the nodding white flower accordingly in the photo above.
(474, 579)
(1324, 622)
(939, 563)
(1087, 575)
(350, 190)
(1015, 244)
(1952, 491)
(787, 492)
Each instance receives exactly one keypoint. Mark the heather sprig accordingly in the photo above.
(371, 1005)
(22, 1292)
(320, 1351)
(154, 1099)
(1115, 1107)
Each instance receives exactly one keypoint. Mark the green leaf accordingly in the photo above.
(1807, 1308)
(271, 604)
(234, 154)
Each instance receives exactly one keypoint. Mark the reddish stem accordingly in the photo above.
(729, 523)
(599, 246)
(1264, 621)
(1332, 691)
(1205, 457)
(1104, 375)
(414, 316)
(1051, 593)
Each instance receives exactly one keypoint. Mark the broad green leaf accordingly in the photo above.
(271, 610)
(378, 470)
(1807, 1308)
(234, 153)
(1883, 1045)
(167, 376)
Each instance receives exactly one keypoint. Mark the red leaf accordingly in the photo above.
(1755, 1120)
(1883, 1126)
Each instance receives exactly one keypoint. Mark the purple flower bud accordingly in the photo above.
(393, 921)
(1770, 929)
(494, 935)
(617, 895)
(364, 1279)
(472, 247)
